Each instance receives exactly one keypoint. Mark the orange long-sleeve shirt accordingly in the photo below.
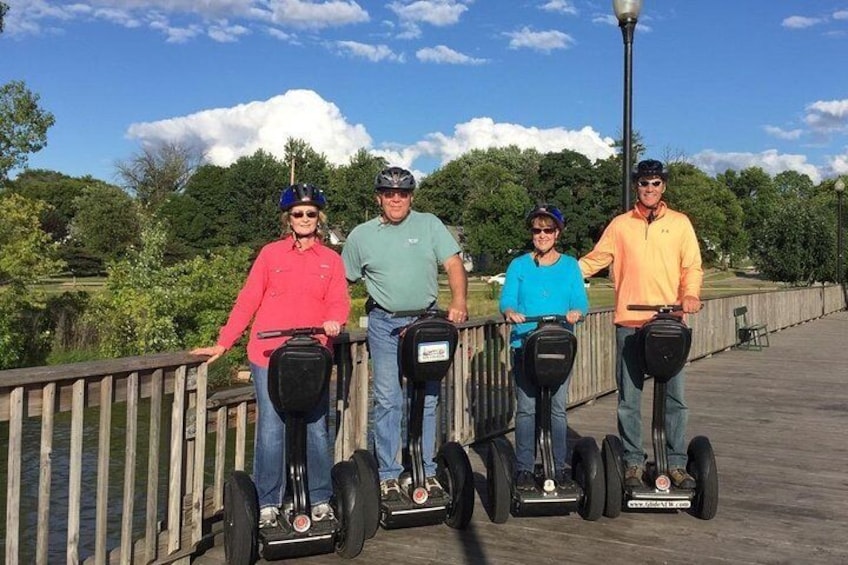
(653, 263)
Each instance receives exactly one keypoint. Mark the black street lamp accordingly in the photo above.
(627, 12)
(840, 269)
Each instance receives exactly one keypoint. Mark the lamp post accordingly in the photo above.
(840, 270)
(627, 12)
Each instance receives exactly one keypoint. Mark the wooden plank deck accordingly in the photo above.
(777, 420)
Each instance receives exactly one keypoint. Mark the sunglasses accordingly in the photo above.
(300, 214)
(392, 193)
(547, 231)
(650, 182)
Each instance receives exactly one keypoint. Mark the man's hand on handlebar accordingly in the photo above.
(457, 311)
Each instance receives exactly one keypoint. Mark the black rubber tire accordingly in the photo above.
(587, 470)
(611, 455)
(455, 474)
(241, 520)
(702, 466)
(351, 536)
(369, 490)
(499, 461)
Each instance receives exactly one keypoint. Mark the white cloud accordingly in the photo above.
(482, 133)
(225, 33)
(838, 165)
(840, 15)
(781, 133)
(300, 13)
(827, 116)
(608, 19)
(772, 162)
(31, 17)
(544, 41)
(281, 35)
(373, 53)
(225, 134)
(433, 12)
(445, 55)
(559, 6)
(800, 22)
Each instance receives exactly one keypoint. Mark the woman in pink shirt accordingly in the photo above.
(294, 282)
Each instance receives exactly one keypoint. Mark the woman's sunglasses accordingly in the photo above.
(547, 231)
(300, 214)
(650, 182)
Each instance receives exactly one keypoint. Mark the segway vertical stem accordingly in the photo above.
(658, 426)
(415, 431)
(545, 441)
(296, 438)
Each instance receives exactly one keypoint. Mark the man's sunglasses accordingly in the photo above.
(300, 214)
(547, 231)
(650, 182)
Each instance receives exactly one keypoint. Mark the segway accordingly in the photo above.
(298, 374)
(664, 344)
(549, 353)
(425, 353)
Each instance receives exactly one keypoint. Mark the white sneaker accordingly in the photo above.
(322, 511)
(268, 517)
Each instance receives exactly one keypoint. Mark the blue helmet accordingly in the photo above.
(302, 194)
(551, 212)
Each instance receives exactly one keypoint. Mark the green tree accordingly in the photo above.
(23, 126)
(253, 187)
(189, 214)
(106, 221)
(493, 218)
(26, 256)
(350, 191)
(309, 165)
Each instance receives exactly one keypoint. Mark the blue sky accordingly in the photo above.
(723, 84)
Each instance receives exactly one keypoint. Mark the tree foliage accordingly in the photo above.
(23, 126)
(158, 171)
(106, 221)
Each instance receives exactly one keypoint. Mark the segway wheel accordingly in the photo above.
(351, 535)
(454, 472)
(587, 470)
(241, 520)
(499, 462)
(369, 490)
(702, 466)
(611, 454)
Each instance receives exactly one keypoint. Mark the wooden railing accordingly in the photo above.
(133, 479)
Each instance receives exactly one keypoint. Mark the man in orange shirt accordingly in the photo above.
(656, 260)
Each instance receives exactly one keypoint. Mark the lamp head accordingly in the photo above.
(839, 186)
(627, 10)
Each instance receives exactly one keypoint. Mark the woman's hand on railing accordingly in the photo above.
(213, 352)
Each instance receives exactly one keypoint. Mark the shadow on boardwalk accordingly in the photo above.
(777, 420)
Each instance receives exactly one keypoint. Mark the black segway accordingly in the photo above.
(664, 344)
(298, 374)
(425, 354)
(549, 353)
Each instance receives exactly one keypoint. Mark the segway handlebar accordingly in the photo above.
(420, 313)
(547, 318)
(662, 308)
(314, 330)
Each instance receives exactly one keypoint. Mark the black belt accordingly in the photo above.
(371, 304)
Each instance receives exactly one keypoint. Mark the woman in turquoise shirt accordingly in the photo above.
(541, 282)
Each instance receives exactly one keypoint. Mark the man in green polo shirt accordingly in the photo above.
(398, 255)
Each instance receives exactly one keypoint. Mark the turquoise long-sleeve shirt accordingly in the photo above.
(542, 290)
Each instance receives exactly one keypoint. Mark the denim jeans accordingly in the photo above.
(630, 379)
(526, 393)
(269, 451)
(383, 338)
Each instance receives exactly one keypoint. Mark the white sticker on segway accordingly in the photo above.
(433, 351)
(658, 504)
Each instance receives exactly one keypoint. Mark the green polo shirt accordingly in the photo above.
(399, 262)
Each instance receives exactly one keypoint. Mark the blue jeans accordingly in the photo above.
(526, 392)
(630, 379)
(269, 450)
(383, 338)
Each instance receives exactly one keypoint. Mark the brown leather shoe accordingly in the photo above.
(681, 479)
(633, 476)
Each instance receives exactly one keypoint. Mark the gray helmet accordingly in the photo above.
(650, 168)
(394, 178)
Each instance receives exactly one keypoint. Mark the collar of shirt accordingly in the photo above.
(291, 245)
(645, 213)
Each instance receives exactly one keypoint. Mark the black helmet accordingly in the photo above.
(394, 178)
(650, 168)
(302, 194)
(551, 212)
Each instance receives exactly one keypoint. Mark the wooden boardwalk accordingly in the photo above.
(778, 421)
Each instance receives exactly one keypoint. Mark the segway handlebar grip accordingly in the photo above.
(420, 313)
(656, 308)
(314, 330)
(548, 318)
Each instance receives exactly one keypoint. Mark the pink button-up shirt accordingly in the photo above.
(287, 288)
